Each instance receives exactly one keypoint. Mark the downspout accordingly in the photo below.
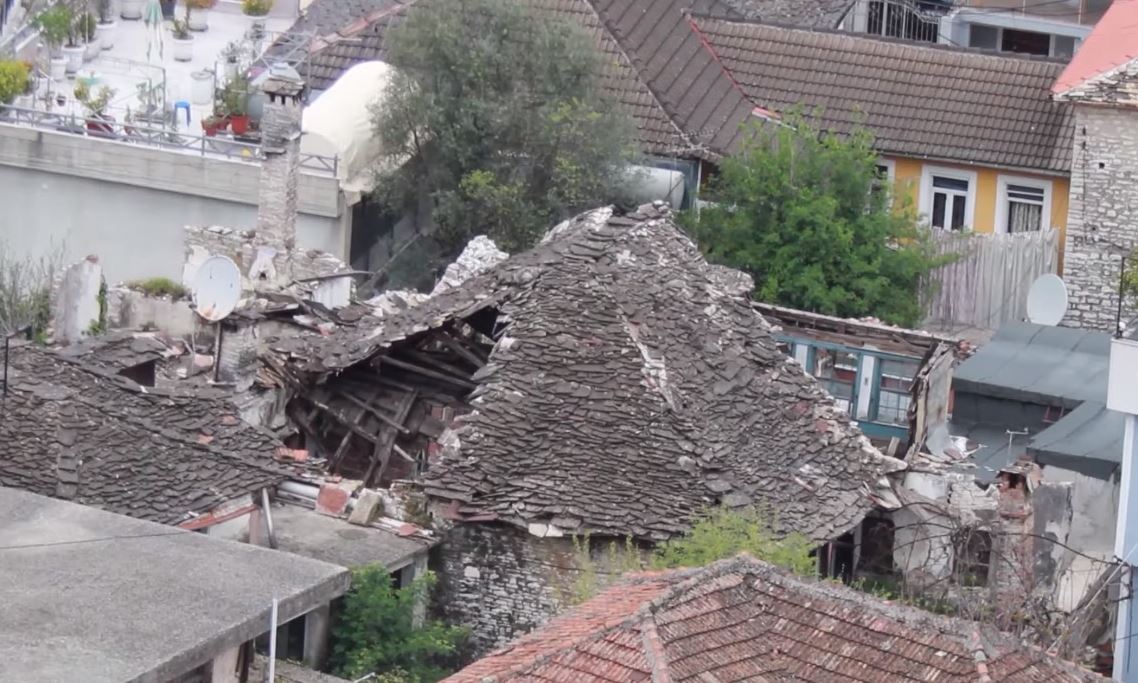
(267, 510)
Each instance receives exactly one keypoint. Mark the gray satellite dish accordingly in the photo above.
(1047, 300)
(216, 288)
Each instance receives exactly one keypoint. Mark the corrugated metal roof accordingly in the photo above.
(1088, 440)
(1058, 366)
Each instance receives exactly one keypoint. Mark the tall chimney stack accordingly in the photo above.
(277, 192)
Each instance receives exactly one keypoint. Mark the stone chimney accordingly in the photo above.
(277, 193)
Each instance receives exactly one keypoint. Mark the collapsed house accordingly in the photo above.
(608, 383)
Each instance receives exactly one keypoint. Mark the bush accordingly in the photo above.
(376, 632)
(256, 8)
(721, 533)
(158, 286)
(13, 79)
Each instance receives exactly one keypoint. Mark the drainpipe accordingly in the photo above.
(1122, 396)
(267, 510)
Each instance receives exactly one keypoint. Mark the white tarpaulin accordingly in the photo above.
(339, 124)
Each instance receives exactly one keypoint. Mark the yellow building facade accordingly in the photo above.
(988, 200)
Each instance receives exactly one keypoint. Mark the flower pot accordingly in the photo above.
(106, 35)
(130, 9)
(58, 68)
(168, 8)
(92, 49)
(239, 124)
(199, 20)
(230, 71)
(101, 125)
(183, 49)
(74, 57)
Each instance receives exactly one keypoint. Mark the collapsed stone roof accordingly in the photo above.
(629, 385)
(72, 428)
(742, 619)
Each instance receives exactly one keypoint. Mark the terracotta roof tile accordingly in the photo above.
(742, 619)
(919, 100)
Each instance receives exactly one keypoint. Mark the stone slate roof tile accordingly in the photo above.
(919, 100)
(632, 386)
(77, 431)
(744, 620)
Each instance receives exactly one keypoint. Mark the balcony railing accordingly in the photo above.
(160, 138)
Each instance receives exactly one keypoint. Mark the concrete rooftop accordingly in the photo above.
(331, 539)
(94, 596)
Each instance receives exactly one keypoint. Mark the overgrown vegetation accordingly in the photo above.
(158, 286)
(25, 290)
(496, 113)
(721, 533)
(806, 213)
(377, 632)
(718, 534)
(13, 79)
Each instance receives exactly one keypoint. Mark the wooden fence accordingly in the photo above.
(987, 285)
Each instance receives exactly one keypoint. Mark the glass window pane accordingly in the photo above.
(1063, 47)
(838, 372)
(958, 203)
(1024, 217)
(893, 408)
(1027, 42)
(986, 37)
(950, 183)
(1026, 192)
(939, 200)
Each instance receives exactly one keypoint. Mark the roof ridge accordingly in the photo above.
(885, 40)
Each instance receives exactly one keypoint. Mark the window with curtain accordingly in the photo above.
(1024, 208)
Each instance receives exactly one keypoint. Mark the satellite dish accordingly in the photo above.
(1047, 300)
(216, 288)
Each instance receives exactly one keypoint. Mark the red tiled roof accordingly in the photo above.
(743, 620)
(1110, 45)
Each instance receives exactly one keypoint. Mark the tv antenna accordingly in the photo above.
(1047, 300)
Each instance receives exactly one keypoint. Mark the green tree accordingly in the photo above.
(805, 213)
(496, 112)
(377, 631)
(722, 533)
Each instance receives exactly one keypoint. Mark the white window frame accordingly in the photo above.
(1002, 183)
(925, 206)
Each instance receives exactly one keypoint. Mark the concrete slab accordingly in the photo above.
(306, 532)
(108, 598)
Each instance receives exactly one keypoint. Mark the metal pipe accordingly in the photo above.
(1121, 286)
(272, 643)
(267, 510)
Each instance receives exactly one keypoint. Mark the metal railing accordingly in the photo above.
(155, 137)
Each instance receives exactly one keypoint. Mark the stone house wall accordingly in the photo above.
(503, 582)
(1102, 224)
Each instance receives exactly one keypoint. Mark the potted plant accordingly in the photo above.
(54, 25)
(89, 35)
(105, 29)
(199, 18)
(74, 49)
(256, 8)
(13, 80)
(235, 98)
(130, 9)
(213, 124)
(99, 122)
(183, 40)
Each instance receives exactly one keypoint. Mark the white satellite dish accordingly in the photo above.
(216, 288)
(1047, 300)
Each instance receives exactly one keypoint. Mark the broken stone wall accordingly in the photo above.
(1083, 532)
(503, 582)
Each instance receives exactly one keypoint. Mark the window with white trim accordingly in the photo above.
(949, 209)
(1025, 205)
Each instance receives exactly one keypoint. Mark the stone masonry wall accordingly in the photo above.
(503, 582)
(1102, 222)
